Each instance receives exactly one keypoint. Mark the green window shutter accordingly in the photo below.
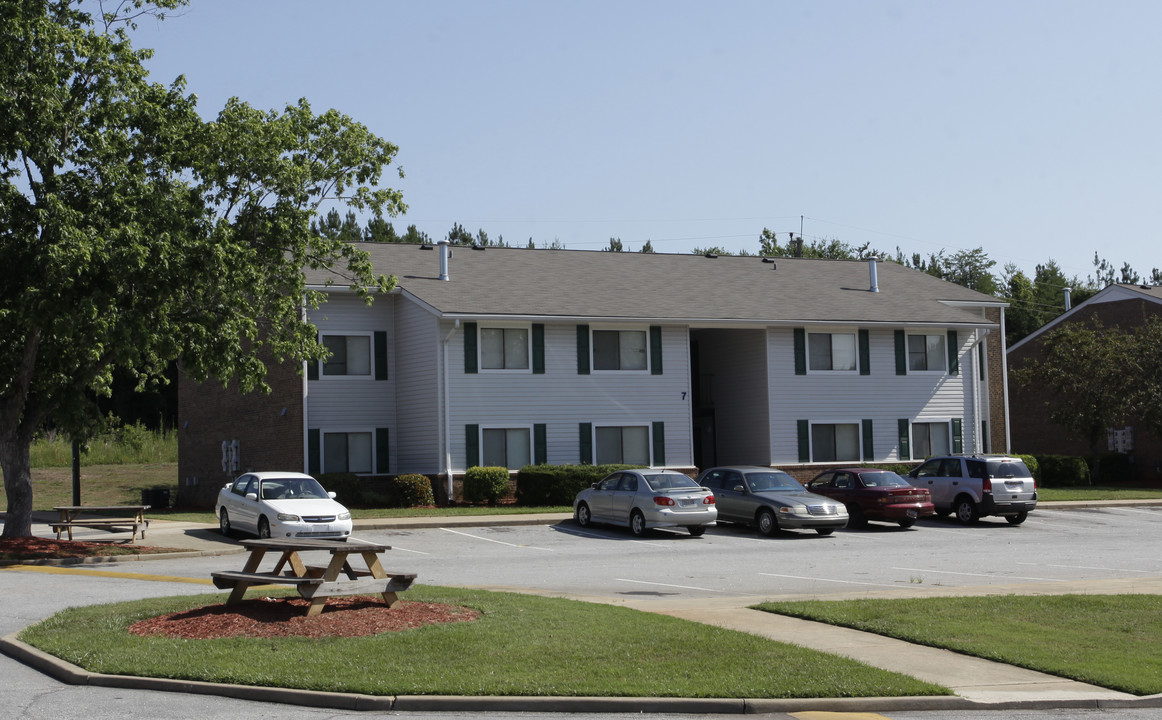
(659, 443)
(868, 451)
(655, 350)
(582, 349)
(901, 353)
(314, 453)
(953, 354)
(957, 436)
(586, 433)
(804, 441)
(312, 369)
(382, 450)
(470, 348)
(864, 352)
(380, 355)
(540, 445)
(800, 352)
(538, 349)
(904, 435)
(471, 446)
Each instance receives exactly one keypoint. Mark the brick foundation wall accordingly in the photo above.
(268, 428)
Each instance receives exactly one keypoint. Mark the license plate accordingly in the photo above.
(320, 528)
(685, 503)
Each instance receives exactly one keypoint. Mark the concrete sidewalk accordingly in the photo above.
(976, 682)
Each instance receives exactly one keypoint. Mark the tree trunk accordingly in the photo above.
(15, 459)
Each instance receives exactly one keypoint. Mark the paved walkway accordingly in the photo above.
(972, 679)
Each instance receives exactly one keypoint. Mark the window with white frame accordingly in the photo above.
(620, 350)
(926, 352)
(627, 445)
(504, 348)
(930, 438)
(347, 452)
(831, 351)
(506, 447)
(838, 442)
(350, 355)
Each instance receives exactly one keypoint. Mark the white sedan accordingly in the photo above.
(281, 504)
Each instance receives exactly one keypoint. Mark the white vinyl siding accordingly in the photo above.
(353, 401)
(416, 441)
(882, 397)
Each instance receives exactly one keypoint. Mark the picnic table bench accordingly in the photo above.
(71, 517)
(315, 582)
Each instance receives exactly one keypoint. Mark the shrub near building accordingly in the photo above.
(486, 484)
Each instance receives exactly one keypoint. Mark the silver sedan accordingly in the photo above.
(772, 500)
(645, 499)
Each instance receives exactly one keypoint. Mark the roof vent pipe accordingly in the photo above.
(871, 269)
(445, 255)
(1068, 301)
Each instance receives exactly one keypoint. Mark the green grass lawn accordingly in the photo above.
(1107, 640)
(522, 645)
(1098, 493)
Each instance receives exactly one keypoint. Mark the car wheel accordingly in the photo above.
(907, 522)
(583, 517)
(824, 531)
(855, 517)
(966, 511)
(637, 523)
(1017, 519)
(224, 522)
(263, 528)
(697, 530)
(767, 522)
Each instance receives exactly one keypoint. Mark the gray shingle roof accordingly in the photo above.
(685, 289)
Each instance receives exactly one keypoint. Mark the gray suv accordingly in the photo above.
(973, 486)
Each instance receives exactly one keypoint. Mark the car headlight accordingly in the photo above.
(344, 516)
(287, 517)
(793, 510)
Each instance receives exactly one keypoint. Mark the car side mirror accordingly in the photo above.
(740, 488)
(331, 494)
(251, 496)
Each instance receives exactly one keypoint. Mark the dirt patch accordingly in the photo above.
(37, 548)
(356, 616)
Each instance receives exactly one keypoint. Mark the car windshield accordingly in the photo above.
(292, 489)
(669, 481)
(1007, 469)
(764, 481)
(884, 478)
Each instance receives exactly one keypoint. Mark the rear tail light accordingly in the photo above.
(663, 501)
(986, 485)
(708, 500)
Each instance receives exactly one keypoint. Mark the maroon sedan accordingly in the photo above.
(872, 494)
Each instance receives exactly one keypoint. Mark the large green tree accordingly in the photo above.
(132, 232)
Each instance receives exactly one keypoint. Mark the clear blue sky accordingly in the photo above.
(1031, 128)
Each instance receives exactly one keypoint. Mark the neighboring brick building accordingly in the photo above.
(1117, 307)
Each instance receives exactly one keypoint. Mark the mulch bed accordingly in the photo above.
(38, 548)
(355, 616)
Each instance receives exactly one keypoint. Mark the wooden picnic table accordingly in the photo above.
(71, 517)
(316, 582)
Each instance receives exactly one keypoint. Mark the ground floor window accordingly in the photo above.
(835, 442)
(629, 445)
(930, 438)
(347, 452)
(507, 447)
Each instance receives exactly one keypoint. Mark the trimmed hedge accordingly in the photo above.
(1062, 471)
(413, 490)
(485, 484)
(363, 492)
(544, 485)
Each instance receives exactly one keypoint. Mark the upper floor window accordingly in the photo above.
(926, 352)
(347, 452)
(350, 355)
(506, 447)
(628, 445)
(619, 350)
(837, 442)
(504, 348)
(831, 351)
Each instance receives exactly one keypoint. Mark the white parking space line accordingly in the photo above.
(992, 576)
(1090, 567)
(819, 579)
(498, 542)
(680, 587)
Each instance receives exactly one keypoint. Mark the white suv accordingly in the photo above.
(973, 486)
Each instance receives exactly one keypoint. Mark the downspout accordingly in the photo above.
(446, 449)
